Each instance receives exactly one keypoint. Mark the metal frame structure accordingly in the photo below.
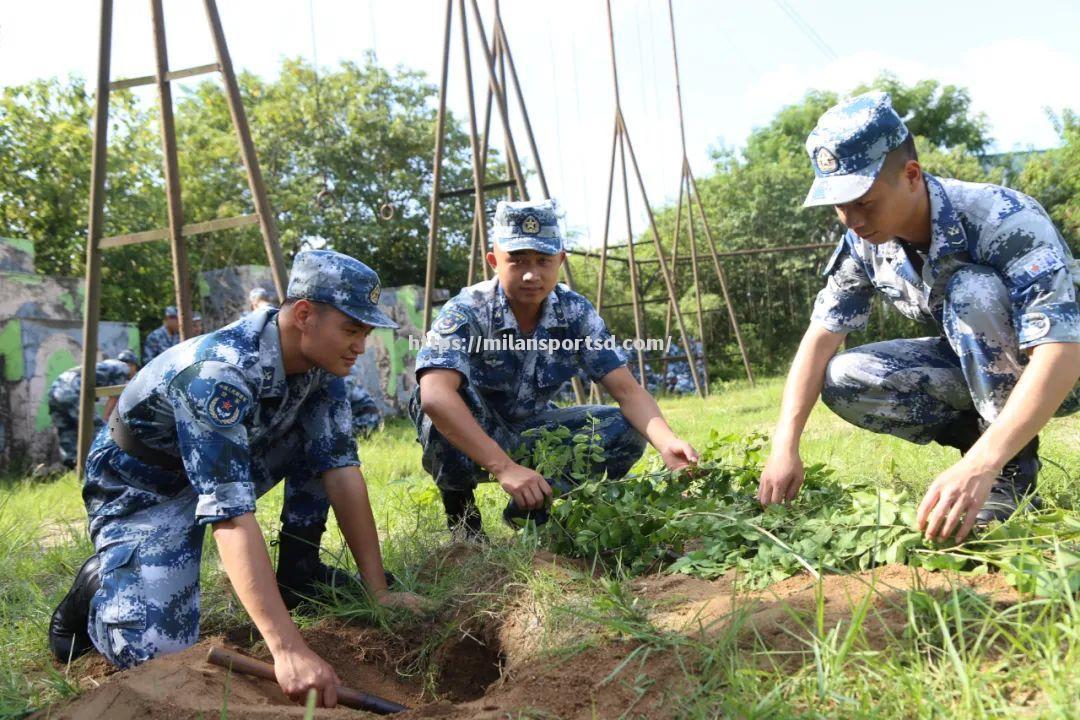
(621, 143)
(688, 186)
(500, 68)
(177, 231)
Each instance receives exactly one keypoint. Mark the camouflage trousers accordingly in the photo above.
(915, 388)
(65, 418)
(453, 470)
(148, 603)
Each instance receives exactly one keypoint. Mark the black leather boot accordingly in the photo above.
(68, 634)
(1015, 485)
(463, 516)
(301, 575)
(962, 433)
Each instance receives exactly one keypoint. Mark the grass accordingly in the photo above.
(957, 657)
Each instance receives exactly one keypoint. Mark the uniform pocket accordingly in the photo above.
(122, 587)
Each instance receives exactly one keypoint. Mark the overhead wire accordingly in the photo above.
(807, 29)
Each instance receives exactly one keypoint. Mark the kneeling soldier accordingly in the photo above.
(205, 429)
(64, 399)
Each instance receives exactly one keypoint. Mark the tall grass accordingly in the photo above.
(958, 656)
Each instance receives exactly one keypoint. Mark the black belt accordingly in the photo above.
(136, 448)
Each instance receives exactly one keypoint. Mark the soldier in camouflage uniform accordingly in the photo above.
(677, 379)
(205, 429)
(365, 413)
(161, 339)
(981, 264)
(473, 402)
(64, 399)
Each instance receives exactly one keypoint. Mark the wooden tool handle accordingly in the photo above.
(346, 696)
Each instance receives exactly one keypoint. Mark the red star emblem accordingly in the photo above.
(226, 405)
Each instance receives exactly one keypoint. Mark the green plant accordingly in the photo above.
(707, 521)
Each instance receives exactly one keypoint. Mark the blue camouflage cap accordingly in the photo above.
(170, 311)
(528, 225)
(848, 146)
(340, 281)
(128, 357)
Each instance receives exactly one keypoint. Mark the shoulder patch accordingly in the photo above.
(449, 321)
(226, 405)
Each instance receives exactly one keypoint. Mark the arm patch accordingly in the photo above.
(226, 405)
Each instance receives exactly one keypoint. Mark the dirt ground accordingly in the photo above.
(493, 668)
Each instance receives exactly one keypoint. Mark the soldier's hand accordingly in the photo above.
(407, 600)
(528, 488)
(678, 454)
(953, 501)
(781, 478)
(300, 669)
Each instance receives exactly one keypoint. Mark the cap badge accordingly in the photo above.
(374, 295)
(825, 160)
(530, 225)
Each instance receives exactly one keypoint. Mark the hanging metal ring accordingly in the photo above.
(387, 210)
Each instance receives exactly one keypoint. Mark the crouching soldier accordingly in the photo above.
(205, 429)
(480, 385)
(64, 399)
(986, 267)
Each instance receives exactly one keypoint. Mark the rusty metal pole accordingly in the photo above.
(632, 264)
(500, 99)
(663, 262)
(607, 219)
(625, 136)
(674, 261)
(720, 275)
(267, 221)
(692, 194)
(95, 225)
(436, 182)
(501, 32)
(697, 291)
(479, 216)
(177, 242)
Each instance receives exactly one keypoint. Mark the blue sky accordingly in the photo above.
(740, 61)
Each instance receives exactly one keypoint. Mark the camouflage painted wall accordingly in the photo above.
(40, 337)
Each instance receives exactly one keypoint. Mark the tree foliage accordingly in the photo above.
(334, 146)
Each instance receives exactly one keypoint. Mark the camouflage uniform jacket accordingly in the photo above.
(971, 223)
(518, 383)
(220, 402)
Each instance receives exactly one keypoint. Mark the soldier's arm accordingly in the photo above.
(783, 473)
(347, 490)
(243, 554)
(440, 401)
(110, 405)
(641, 410)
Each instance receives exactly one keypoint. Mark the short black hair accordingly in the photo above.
(908, 148)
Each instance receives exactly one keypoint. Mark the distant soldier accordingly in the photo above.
(259, 298)
(365, 412)
(64, 399)
(475, 397)
(983, 266)
(196, 324)
(197, 438)
(164, 337)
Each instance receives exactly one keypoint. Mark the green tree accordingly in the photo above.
(334, 146)
(1053, 178)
